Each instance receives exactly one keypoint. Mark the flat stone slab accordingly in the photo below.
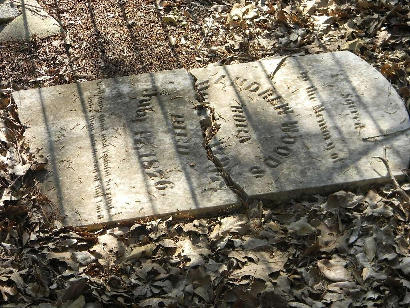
(131, 147)
(305, 124)
(33, 21)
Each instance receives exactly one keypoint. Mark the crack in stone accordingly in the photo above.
(209, 130)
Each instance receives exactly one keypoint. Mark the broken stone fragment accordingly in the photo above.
(34, 22)
(8, 11)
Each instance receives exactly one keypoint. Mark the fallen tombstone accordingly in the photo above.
(132, 147)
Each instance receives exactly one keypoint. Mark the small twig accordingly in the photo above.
(278, 67)
(381, 22)
(402, 193)
(388, 134)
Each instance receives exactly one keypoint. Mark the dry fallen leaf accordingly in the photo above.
(334, 269)
(301, 227)
(230, 224)
(192, 252)
(141, 251)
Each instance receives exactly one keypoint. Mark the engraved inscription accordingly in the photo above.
(144, 105)
(101, 176)
(305, 76)
(276, 101)
(281, 152)
(217, 147)
(318, 109)
(327, 136)
(269, 95)
(144, 144)
(257, 171)
(180, 132)
(284, 150)
(223, 81)
(311, 92)
(354, 111)
(149, 161)
(242, 130)
(202, 87)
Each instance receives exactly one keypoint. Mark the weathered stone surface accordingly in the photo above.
(122, 148)
(33, 21)
(8, 11)
(132, 147)
(313, 124)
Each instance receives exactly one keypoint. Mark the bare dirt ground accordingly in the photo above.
(349, 249)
